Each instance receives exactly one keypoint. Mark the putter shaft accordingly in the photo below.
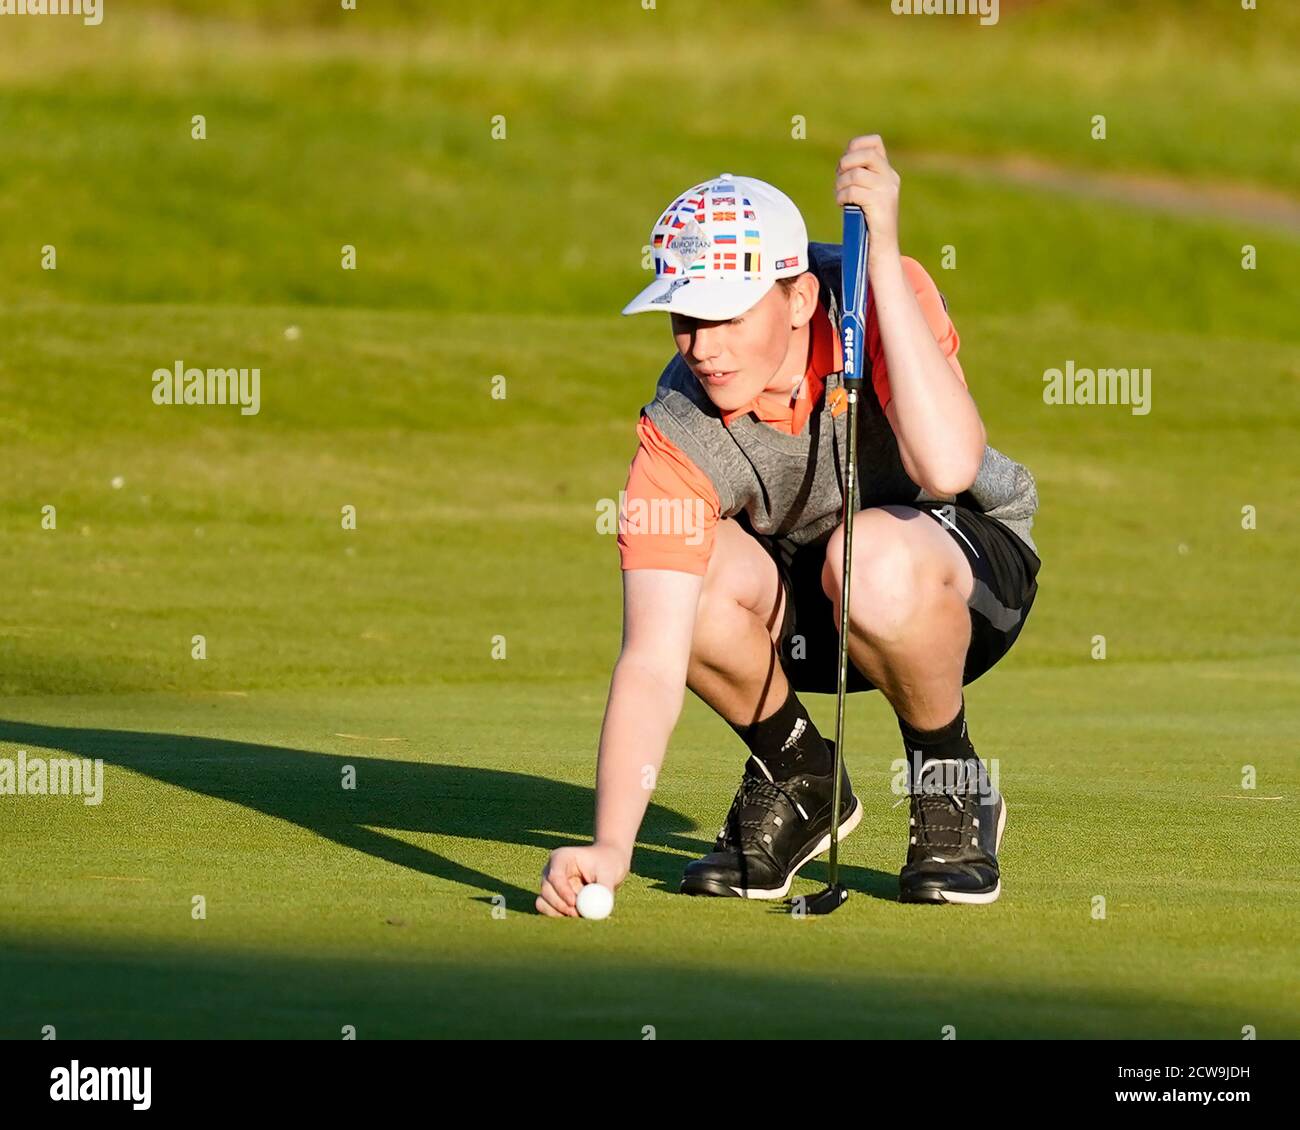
(841, 688)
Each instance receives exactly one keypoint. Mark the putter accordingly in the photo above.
(853, 338)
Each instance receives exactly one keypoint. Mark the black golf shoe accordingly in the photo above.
(955, 831)
(772, 830)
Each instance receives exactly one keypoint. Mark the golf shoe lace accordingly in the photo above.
(753, 812)
(939, 821)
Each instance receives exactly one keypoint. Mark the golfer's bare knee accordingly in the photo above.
(898, 571)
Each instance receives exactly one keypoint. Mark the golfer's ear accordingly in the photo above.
(803, 299)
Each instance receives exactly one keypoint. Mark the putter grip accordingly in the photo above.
(853, 280)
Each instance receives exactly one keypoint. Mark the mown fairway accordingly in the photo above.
(380, 907)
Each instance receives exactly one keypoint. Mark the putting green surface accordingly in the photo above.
(403, 906)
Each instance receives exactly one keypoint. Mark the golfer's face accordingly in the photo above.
(735, 360)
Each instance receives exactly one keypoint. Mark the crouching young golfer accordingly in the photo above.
(731, 551)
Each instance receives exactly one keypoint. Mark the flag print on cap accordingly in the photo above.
(728, 240)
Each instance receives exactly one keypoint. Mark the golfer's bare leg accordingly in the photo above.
(908, 616)
(734, 665)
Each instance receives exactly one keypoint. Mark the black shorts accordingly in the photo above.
(1005, 570)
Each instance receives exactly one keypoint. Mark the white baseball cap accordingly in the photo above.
(720, 246)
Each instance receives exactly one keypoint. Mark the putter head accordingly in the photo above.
(823, 902)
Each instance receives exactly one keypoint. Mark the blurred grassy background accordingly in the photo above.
(373, 127)
(479, 257)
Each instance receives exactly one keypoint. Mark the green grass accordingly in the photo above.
(345, 133)
(477, 518)
(374, 908)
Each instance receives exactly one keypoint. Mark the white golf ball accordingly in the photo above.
(595, 901)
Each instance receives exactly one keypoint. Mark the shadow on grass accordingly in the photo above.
(408, 796)
(160, 992)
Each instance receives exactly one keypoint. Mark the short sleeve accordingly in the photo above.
(669, 511)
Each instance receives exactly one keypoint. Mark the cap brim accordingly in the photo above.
(711, 299)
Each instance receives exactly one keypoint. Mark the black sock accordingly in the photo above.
(947, 742)
(788, 742)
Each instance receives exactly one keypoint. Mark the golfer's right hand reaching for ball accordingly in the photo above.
(570, 868)
(645, 700)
